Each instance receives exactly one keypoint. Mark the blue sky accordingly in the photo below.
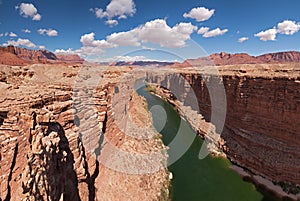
(103, 30)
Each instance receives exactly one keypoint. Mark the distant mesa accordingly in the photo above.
(72, 58)
(223, 58)
(220, 59)
(11, 55)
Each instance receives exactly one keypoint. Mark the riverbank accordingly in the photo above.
(196, 121)
(138, 170)
(209, 178)
(216, 146)
(264, 185)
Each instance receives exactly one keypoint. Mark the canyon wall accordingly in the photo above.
(262, 126)
(54, 131)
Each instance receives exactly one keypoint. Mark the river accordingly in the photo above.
(210, 179)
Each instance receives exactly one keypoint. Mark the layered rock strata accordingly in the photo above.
(262, 128)
(52, 144)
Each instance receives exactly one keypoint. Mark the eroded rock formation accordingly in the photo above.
(11, 55)
(52, 141)
(262, 125)
(223, 58)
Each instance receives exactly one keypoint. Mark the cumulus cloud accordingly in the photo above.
(29, 10)
(206, 33)
(88, 40)
(62, 51)
(215, 32)
(49, 32)
(203, 30)
(129, 38)
(90, 46)
(42, 47)
(20, 42)
(288, 27)
(120, 9)
(243, 39)
(112, 22)
(158, 32)
(12, 34)
(199, 14)
(26, 30)
(267, 35)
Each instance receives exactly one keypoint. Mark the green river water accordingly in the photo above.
(209, 179)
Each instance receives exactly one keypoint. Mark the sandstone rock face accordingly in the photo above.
(35, 55)
(11, 55)
(11, 59)
(229, 59)
(52, 141)
(262, 127)
(223, 58)
(69, 58)
(280, 57)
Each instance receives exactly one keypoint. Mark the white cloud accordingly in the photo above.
(116, 8)
(37, 17)
(269, 34)
(86, 51)
(288, 27)
(88, 40)
(199, 14)
(20, 42)
(29, 10)
(112, 22)
(98, 12)
(155, 31)
(62, 51)
(214, 32)
(42, 47)
(12, 34)
(90, 46)
(128, 38)
(130, 58)
(26, 30)
(203, 30)
(158, 32)
(49, 32)
(243, 39)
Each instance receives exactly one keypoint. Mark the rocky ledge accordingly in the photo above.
(60, 139)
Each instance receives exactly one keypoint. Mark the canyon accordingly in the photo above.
(261, 127)
(54, 146)
(61, 119)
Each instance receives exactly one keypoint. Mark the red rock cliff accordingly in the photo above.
(11, 55)
(262, 127)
